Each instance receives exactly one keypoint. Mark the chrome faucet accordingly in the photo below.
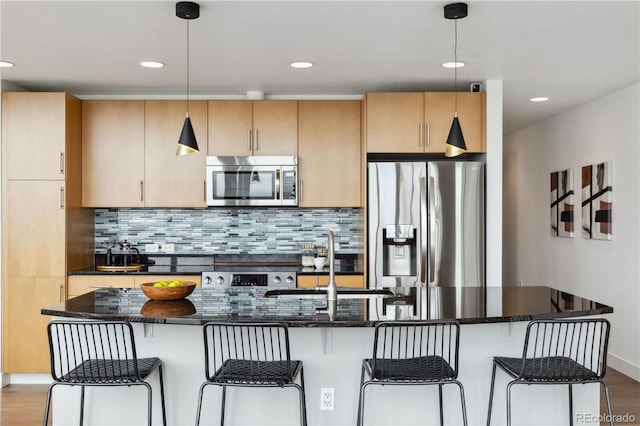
(332, 289)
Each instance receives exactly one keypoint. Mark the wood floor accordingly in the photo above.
(23, 405)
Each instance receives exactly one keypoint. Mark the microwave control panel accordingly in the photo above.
(289, 185)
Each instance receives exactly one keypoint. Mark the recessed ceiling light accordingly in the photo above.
(539, 99)
(151, 64)
(458, 64)
(301, 64)
(6, 64)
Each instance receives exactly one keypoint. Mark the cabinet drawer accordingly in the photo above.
(81, 284)
(309, 281)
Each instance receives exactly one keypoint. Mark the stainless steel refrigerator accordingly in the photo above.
(426, 224)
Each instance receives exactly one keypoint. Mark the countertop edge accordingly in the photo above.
(85, 309)
(319, 323)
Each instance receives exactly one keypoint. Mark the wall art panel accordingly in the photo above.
(597, 201)
(561, 192)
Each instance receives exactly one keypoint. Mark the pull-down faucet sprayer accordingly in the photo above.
(332, 289)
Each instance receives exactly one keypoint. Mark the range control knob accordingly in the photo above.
(220, 280)
(277, 279)
(290, 280)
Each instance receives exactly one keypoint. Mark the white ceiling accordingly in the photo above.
(572, 51)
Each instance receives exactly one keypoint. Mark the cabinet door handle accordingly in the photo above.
(248, 139)
(204, 191)
(428, 134)
(421, 136)
(256, 140)
(300, 191)
(61, 160)
(61, 293)
(141, 190)
(61, 198)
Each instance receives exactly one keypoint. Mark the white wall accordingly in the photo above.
(606, 129)
(494, 183)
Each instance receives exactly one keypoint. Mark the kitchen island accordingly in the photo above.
(493, 323)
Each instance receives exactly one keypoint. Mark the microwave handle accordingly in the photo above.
(278, 194)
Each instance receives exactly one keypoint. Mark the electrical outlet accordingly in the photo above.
(336, 247)
(326, 398)
(167, 247)
(151, 248)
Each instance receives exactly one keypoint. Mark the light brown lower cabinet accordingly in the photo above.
(81, 284)
(310, 281)
(26, 347)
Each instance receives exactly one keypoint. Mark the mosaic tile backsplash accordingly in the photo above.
(231, 230)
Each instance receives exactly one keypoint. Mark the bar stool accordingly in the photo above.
(249, 355)
(413, 353)
(561, 352)
(98, 353)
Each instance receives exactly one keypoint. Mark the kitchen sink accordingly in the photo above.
(321, 293)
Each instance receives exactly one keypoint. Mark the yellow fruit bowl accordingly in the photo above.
(167, 293)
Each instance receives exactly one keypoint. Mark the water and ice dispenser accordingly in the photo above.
(399, 255)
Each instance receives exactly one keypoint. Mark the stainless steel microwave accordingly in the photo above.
(252, 181)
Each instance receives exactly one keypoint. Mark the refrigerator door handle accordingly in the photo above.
(433, 232)
(424, 253)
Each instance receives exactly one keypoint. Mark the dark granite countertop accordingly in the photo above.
(467, 305)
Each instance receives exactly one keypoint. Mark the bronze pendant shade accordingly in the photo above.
(455, 140)
(187, 142)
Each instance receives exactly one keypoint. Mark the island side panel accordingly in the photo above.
(332, 358)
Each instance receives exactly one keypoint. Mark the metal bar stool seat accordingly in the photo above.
(558, 352)
(420, 369)
(413, 353)
(111, 371)
(274, 373)
(547, 369)
(98, 353)
(249, 355)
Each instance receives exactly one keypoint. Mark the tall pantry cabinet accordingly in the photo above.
(45, 231)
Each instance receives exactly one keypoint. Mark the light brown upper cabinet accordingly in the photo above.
(399, 122)
(243, 127)
(171, 181)
(113, 153)
(129, 154)
(329, 154)
(31, 119)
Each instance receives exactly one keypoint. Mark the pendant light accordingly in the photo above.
(187, 142)
(455, 141)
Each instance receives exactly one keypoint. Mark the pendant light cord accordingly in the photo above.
(455, 61)
(188, 68)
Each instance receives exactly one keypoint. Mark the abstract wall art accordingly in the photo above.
(596, 201)
(561, 191)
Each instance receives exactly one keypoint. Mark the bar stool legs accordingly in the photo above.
(558, 352)
(428, 355)
(249, 355)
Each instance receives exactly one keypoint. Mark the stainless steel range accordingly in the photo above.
(269, 271)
